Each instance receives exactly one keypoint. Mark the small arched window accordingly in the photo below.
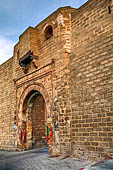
(48, 32)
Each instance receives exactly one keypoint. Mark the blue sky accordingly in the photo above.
(17, 15)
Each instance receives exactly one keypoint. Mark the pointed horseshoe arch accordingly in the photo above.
(38, 87)
(29, 116)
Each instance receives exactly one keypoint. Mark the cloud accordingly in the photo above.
(6, 49)
(16, 16)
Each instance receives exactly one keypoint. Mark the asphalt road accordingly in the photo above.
(37, 159)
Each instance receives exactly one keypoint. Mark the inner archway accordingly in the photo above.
(34, 115)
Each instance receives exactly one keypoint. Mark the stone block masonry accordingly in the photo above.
(91, 80)
(61, 76)
(7, 110)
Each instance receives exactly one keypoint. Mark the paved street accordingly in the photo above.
(37, 159)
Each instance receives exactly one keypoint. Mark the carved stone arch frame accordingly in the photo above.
(38, 87)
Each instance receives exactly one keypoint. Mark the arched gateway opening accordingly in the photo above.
(34, 120)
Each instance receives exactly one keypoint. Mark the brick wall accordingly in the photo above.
(91, 80)
(7, 134)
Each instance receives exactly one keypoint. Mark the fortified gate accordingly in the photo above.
(41, 58)
(60, 80)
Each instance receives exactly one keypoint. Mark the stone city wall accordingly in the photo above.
(7, 112)
(91, 80)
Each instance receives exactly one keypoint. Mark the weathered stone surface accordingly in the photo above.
(91, 80)
(7, 106)
(73, 71)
